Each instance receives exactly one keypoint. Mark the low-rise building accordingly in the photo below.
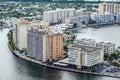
(86, 42)
(78, 19)
(103, 18)
(108, 47)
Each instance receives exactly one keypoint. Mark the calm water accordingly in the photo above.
(106, 34)
(13, 68)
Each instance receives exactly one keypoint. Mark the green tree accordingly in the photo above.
(91, 21)
(115, 18)
(65, 47)
(74, 25)
(106, 56)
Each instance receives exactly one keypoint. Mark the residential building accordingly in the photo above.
(58, 15)
(68, 37)
(86, 42)
(78, 19)
(108, 47)
(20, 33)
(103, 18)
(35, 44)
(54, 46)
(112, 8)
(45, 46)
(20, 28)
(85, 56)
(82, 12)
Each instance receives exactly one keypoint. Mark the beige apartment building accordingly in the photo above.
(45, 45)
(55, 46)
(112, 8)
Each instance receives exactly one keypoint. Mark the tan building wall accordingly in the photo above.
(50, 46)
(55, 46)
(112, 8)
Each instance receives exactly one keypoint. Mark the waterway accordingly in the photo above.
(109, 33)
(14, 68)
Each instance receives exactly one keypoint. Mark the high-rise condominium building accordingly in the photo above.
(112, 8)
(58, 15)
(20, 31)
(85, 56)
(45, 46)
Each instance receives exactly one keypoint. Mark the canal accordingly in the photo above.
(13, 68)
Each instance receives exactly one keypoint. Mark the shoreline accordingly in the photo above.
(58, 68)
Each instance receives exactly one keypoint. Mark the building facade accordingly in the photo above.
(108, 47)
(103, 18)
(78, 19)
(45, 46)
(58, 15)
(20, 31)
(86, 42)
(35, 44)
(112, 8)
(85, 56)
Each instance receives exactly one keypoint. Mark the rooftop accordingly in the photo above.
(85, 48)
(23, 22)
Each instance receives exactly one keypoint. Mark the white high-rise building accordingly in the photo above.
(44, 45)
(20, 31)
(85, 56)
(58, 15)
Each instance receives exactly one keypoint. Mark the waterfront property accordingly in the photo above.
(108, 47)
(78, 19)
(85, 56)
(45, 46)
(20, 27)
(61, 66)
(102, 19)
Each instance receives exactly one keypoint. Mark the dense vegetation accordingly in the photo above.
(10, 38)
